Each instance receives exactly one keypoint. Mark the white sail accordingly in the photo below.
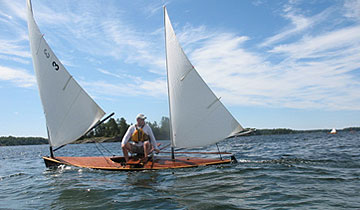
(333, 131)
(198, 118)
(69, 110)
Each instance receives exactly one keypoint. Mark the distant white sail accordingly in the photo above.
(333, 131)
(198, 118)
(69, 111)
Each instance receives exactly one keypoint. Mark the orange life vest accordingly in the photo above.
(139, 135)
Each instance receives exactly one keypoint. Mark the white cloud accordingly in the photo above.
(15, 8)
(315, 70)
(134, 46)
(154, 7)
(19, 77)
(322, 45)
(15, 59)
(352, 8)
(109, 73)
(242, 77)
(299, 23)
(14, 48)
(97, 35)
(189, 35)
(135, 87)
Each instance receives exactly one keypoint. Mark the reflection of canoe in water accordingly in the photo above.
(117, 163)
(333, 131)
(197, 117)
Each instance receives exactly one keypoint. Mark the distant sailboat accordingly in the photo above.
(333, 131)
(197, 116)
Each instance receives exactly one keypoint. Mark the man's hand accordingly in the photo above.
(157, 151)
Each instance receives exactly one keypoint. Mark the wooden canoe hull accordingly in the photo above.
(117, 163)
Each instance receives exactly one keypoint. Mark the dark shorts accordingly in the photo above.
(136, 148)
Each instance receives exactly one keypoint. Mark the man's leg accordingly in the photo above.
(147, 148)
(125, 149)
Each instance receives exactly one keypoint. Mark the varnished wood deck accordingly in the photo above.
(118, 163)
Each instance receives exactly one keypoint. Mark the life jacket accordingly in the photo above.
(139, 135)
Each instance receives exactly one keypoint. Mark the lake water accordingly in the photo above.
(300, 171)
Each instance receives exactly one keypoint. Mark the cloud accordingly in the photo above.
(15, 59)
(14, 48)
(135, 87)
(322, 45)
(19, 77)
(316, 65)
(134, 46)
(193, 35)
(298, 23)
(108, 73)
(154, 7)
(102, 35)
(352, 9)
(15, 8)
(315, 72)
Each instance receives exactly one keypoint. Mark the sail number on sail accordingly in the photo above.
(54, 64)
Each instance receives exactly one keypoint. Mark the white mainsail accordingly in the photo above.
(333, 131)
(197, 116)
(69, 111)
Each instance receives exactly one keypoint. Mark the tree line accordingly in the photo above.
(12, 141)
(279, 131)
(115, 129)
(110, 131)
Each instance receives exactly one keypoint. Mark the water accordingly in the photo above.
(301, 171)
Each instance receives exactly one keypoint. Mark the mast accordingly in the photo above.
(51, 149)
(168, 87)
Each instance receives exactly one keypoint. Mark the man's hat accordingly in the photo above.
(141, 116)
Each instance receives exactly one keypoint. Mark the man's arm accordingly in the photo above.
(127, 136)
(152, 137)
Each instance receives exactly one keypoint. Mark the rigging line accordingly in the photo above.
(219, 151)
(106, 149)
(59, 147)
(164, 146)
(97, 124)
(179, 149)
(104, 155)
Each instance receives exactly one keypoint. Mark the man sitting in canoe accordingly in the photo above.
(142, 140)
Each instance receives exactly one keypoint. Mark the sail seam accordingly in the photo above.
(183, 77)
(216, 100)
(67, 82)
(41, 38)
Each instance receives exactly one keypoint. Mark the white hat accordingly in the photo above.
(141, 116)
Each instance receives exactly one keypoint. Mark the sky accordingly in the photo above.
(275, 64)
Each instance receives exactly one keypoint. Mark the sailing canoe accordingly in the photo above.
(117, 163)
(70, 112)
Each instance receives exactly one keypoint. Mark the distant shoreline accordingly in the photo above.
(17, 141)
